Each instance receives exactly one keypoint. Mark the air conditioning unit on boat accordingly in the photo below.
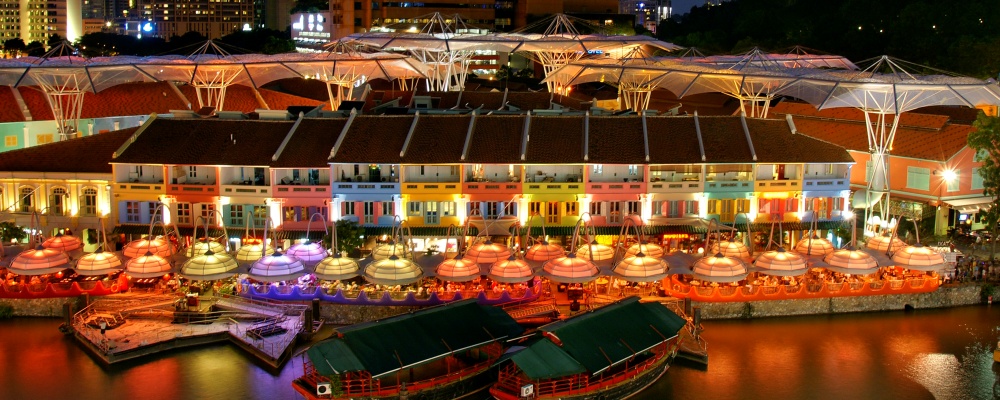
(527, 390)
(324, 389)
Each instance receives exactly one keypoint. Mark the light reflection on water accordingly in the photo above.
(927, 354)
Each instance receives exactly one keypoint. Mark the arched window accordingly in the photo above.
(88, 202)
(26, 201)
(57, 201)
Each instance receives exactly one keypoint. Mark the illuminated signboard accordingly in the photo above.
(311, 26)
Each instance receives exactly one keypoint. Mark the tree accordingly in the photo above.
(14, 46)
(985, 140)
(350, 236)
(55, 40)
(35, 49)
(10, 231)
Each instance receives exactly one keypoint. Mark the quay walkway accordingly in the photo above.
(138, 325)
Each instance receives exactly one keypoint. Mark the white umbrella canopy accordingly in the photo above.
(719, 268)
(392, 271)
(641, 268)
(511, 270)
(571, 269)
(277, 267)
(730, 248)
(781, 263)
(881, 243)
(336, 267)
(886, 85)
(848, 261)
(149, 265)
(814, 246)
(98, 264)
(919, 257)
(458, 269)
(39, 261)
(538, 253)
(209, 266)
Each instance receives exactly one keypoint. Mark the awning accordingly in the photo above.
(544, 360)
(412, 339)
(970, 205)
(140, 229)
(601, 338)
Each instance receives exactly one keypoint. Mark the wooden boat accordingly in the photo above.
(443, 352)
(612, 352)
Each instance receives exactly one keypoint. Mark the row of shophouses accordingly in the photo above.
(431, 172)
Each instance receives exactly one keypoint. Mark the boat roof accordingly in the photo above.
(407, 340)
(598, 340)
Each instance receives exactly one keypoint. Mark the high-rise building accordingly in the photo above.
(273, 14)
(211, 18)
(648, 13)
(38, 20)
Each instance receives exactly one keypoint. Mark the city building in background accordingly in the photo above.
(174, 18)
(37, 20)
(648, 13)
(273, 14)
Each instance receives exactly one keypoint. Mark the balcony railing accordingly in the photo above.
(443, 187)
(615, 187)
(242, 189)
(554, 187)
(825, 183)
(779, 185)
(365, 187)
(491, 187)
(156, 187)
(730, 186)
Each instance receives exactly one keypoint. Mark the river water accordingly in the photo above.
(925, 354)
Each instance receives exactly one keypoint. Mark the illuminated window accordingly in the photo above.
(183, 213)
(10, 141)
(45, 138)
(57, 201)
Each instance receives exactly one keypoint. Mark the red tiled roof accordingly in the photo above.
(311, 143)
(773, 142)
(616, 140)
(921, 136)
(555, 140)
(438, 139)
(307, 88)
(488, 100)
(725, 141)
(9, 111)
(241, 98)
(206, 142)
(530, 100)
(496, 139)
(90, 154)
(281, 101)
(374, 139)
(673, 140)
(132, 99)
(38, 106)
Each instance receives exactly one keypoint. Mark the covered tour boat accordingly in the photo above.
(442, 352)
(612, 352)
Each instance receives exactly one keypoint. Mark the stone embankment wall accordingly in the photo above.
(40, 307)
(943, 297)
(339, 314)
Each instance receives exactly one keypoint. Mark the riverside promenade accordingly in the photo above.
(139, 325)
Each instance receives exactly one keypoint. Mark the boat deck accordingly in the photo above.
(156, 323)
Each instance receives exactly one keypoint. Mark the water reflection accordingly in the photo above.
(928, 354)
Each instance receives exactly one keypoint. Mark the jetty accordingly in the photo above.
(126, 327)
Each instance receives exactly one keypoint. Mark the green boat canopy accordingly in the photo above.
(598, 340)
(407, 340)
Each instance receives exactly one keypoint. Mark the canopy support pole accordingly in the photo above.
(881, 133)
(65, 98)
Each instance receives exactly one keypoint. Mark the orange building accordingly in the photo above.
(931, 166)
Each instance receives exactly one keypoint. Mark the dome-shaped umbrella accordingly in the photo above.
(538, 253)
(39, 261)
(199, 247)
(392, 271)
(308, 252)
(650, 249)
(68, 244)
(601, 255)
(149, 265)
(719, 268)
(731, 248)
(641, 268)
(387, 250)
(882, 243)
(849, 261)
(919, 257)
(336, 267)
(100, 262)
(814, 246)
(458, 269)
(158, 246)
(277, 267)
(209, 266)
(781, 263)
(511, 270)
(252, 250)
(571, 269)
(487, 252)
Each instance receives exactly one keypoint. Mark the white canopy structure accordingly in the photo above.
(883, 90)
(797, 57)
